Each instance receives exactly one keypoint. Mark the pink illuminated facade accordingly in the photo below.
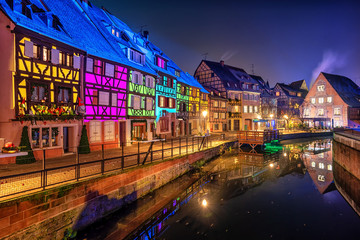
(105, 87)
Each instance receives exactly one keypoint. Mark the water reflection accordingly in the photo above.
(242, 189)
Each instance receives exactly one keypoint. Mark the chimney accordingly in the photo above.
(222, 63)
(146, 34)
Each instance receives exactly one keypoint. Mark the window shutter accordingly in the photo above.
(89, 64)
(104, 98)
(109, 70)
(55, 56)
(141, 79)
(159, 101)
(137, 102)
(76, 62)
(114, 99)
(132, 101)
(29, 46)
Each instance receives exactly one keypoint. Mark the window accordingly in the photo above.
(337, 111)
(98, 67)
(277, 94)
(150, 82)
(95, 131)
(149, 103)
(137, 78)
(204, 97)
(255, 109)
(39, 92)
(63, 95)
(321, 112)
(161, 101)
(177, 73)
(223, 116)
(321, 100)
(246, 96)
(136, 57)
(143, 102)
(194, 108)
(216, 126)
(321, 88)
(160, 62)
(164, 124)
(313, 100)
(329, 167)
(216, 103)
(216, 115)
(299, 94)
(36, 51)
(321, 165)
(114, 100)
(223, 104)
(49, 137)
(329, 99)
(46, 54)
(236, 109)
(62, 58)
(313, 164)
(245, 109)
(109, 131)
(250, 109)
(306, 112)
(171, 103)
(69, 60)
(113, 31)
(104, 98)
(109, 70)
(135, 102)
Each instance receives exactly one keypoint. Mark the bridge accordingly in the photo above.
(255, 138)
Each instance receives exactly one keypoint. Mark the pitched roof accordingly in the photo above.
(298, 85)
(346, 88)
(230, 76)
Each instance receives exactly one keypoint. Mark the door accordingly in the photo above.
(173, 130)
(66, 139)
(236, 125)
(248, 124)
(139, 131)
(122, 133)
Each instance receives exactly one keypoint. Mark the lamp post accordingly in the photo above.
(204, 113)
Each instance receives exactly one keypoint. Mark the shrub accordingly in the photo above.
(84, 147)
(25, 147)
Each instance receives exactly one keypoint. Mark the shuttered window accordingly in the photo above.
(95, 131)
(109, 131)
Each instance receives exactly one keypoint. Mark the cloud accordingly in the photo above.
(330, 62)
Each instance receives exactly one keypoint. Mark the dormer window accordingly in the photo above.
(160, 62)
(177, 73)
(113, 31)
(136, 57)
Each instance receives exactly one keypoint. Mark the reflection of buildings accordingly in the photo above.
(318, 160)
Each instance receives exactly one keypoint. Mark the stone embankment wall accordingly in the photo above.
(50, 213)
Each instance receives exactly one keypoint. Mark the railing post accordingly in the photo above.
(162, 150)
(122, 156)
(172, 145)
(44, 170)
(138, 158)
(102, 160)
(152, 153)
(77, 166)
(179, 146)
(198, 146)
(192, 140)
(187, 144)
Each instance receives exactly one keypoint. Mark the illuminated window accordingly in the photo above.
(36, 51)
(250, 109)
(313, 100)
(321, 112)
(329, 167)
(216, 103)
(337, 111)
(223, 104)
(321, 178)
(161, 101)
(321, 165)
(216, 126)
(329, 99)
(216, 115)
(46, 54)
(223, 116)
(39, 92)
(277, 94)
(44, 137)
(321, 88)
(299, 94)
(245, 109)
(160, 62)
(313, 164)
(306, 112)
(321, 100)
(63, 95)
(113, 31)
(255, 109)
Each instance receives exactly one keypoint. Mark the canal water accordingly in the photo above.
(288, 192)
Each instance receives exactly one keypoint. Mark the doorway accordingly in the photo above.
(122, 133)
(139, 131)
(66, 139)
(173, 132)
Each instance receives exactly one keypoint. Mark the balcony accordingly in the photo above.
(182, 115)
(234, 102)
(234, 115)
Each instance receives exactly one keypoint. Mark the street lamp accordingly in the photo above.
(271, 115)
(204, 113)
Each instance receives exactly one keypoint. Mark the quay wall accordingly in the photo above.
(55, 212)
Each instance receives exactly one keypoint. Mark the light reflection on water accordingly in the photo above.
(277, 195)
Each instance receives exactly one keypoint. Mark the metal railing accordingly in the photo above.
(102, 159)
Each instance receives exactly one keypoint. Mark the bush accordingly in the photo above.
(84, 147)
(25, 147)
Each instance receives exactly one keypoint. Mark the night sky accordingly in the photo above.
(284, 40)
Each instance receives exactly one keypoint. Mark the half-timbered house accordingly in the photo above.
(45, 81)
(217, 111)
